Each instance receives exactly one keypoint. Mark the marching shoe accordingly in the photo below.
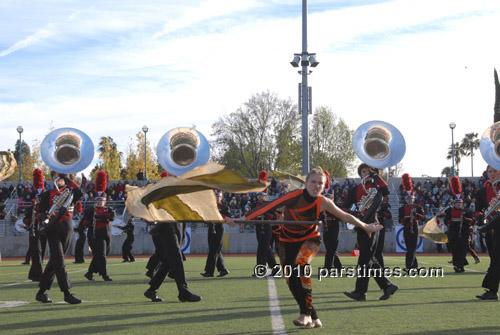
(223, 273)
(206, 274)
(125, 261)
(106, 278)
(388, 291)
(89, 276)
(356, 296)
(171, 275)
(488, 295)
(274, 271)
(303, 321)
(191, 297)
(477, 260)
(79, 262)
(43, 297)
(71, 299)
(150, 273)
(153, 296)
(33, 278)
(317, 323)
(25, 263)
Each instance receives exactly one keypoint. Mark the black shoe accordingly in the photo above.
(356, 296)
(25, 263)
(488, 295)
(150, 273)
(106, 278)
(191, 297)
(274, 271)
(223, 273)
(89, 276)
(206, 274)
(125, 261)
(132, 261)
(171, 275)
(78, 262)
(34, 278)
(43, 297)
(71, 299)
(388, 291)
(153, 296)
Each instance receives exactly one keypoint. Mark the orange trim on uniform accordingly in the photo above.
(263, 209)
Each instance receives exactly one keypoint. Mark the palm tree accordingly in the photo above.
(457, 153)
(470, 143)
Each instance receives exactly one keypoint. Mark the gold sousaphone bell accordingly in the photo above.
(379, 144)
(67, 150)
(182, 149)
(490, 145)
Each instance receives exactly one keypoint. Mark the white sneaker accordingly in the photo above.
(303, 320)
(317, 323)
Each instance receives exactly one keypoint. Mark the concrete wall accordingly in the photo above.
(16, 246)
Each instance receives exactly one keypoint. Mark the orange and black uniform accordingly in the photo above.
(298, 243)
(264, 234)
(59, 238)
(410, 216)
(458, 222)
(100, 240)
(483, 198)
(367, 245)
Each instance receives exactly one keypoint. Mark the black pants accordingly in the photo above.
(410, 235)
(127, 246)
(265, 254)
(79, 246)
(59, 240)
(155, 259)
(459, 243)
(37, 248)
(170, 238)
(100, 246)
(331, 236)
(214, 257)
(379, 252)
(492, 278)
(367, 261)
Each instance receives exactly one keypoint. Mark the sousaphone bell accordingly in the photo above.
(379, 144)
(67, 150)
(182, 149)
(490, 145)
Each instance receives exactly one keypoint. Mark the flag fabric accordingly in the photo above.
(189, 197)
(7, 164)
(432, 232)
(294, 182)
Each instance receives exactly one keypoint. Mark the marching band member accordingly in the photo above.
(80, 241)
(98, 221)
(215, 236)
(37, 242)
(483, 198)
(458, 222)
(59, 232)
(367, 243)
(331, 231)
(128, 244)
(300, 243)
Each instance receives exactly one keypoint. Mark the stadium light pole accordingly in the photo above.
(145, 130)
(452, 126)
(20, 131)
(305, 101)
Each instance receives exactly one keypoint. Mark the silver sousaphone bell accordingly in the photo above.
(67, 150)
(379, 144)
(182, 149)
(490, 145)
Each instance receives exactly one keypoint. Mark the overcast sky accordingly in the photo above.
(110, 67)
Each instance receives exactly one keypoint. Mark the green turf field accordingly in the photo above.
(239, 303)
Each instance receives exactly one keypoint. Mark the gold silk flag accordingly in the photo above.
(294, 182)
(7, 164)
(432, 232)
(189, 197)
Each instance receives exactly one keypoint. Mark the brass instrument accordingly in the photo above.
(494, 205)
(60, 201)
(182, 149)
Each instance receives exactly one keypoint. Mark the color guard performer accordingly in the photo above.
(59, 232)
(358, 196)
(300, 243)
(98, 221)
(410, 215)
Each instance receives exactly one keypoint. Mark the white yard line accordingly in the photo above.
(274, 307)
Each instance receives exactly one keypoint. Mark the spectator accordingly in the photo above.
(140, 175)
